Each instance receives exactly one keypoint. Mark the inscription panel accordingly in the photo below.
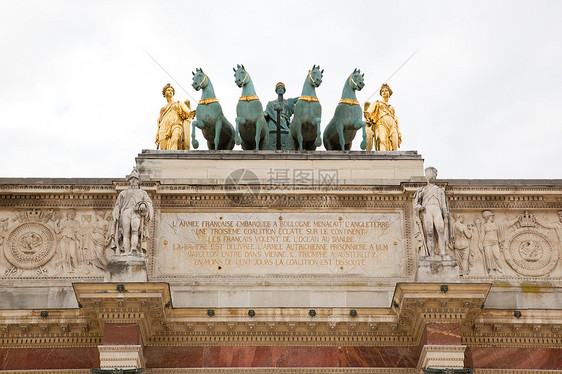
(367, 244)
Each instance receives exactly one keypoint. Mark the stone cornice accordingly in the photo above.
(148, 304)
(279, 370)
(142, 303)
(76, 193)
(342, 370)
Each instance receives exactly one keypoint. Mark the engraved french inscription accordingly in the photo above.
(369, 244)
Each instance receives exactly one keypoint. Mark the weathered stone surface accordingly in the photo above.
(121, 356)
(48, 358)
(192, 186)
(121, 334)
(256, 243)
(126, 269)
(438, 269)
(350, 167)
(514, 358)
(442, 356)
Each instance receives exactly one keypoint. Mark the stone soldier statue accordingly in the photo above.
(431, 215)
(285, 109)
(131, 213)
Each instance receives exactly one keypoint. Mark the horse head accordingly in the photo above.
(315, 76)
(200, 79)
(241, 77)
(356, 81)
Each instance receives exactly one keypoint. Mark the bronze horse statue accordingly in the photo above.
(305, 126)
(251, 127)
(347, 119)
(216, 129)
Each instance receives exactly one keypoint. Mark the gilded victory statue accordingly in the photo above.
(174, 122)
(382, 124)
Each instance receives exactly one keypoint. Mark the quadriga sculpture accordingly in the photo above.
(341, 130)
(251, 127)
(305, 126)
(216, 129)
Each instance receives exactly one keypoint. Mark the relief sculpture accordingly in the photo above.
(30, 246)
(98, 240)
(493, 246)
(53, 243)
(530, 251)
(474, 253)
(70, 243)
(462, 236)
(493, 241)
(29, 242)
(556, 226)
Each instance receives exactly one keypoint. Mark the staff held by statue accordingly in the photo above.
(278, 109)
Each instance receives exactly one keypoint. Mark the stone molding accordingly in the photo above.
(305, 370)
(142, 303)
(403, 324)
(516, 371)
(534, 328)
(280, 370)
(478, 327)
(121, 356)
(470, 200)
(441, 356)
(48, 371)
(60, 328)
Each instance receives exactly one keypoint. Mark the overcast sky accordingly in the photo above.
(481, 98)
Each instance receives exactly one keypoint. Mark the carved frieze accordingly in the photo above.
(54, 243)
(30, 245)
(530, 252)
(71, 240)
(506, 244)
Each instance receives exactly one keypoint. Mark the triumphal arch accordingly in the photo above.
(279, 261)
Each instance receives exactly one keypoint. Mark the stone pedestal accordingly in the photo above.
(438, 269)
(344, 168)
(441, 356)
(121, 356)
(127, 268)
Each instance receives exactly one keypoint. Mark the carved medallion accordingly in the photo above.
(530, 253)
(30, 245)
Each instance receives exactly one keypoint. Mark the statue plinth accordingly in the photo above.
(347, 168)
(438, 269)
(126, 268)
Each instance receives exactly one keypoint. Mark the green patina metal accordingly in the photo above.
(341, 130)
(305, 126)
(251, 127)
(280, 110)
(216, 129)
